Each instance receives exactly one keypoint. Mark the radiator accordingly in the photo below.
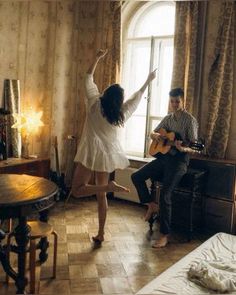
(123, 177)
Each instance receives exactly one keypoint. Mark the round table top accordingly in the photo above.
(17, 190)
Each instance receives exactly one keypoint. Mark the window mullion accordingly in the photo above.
(147, 129)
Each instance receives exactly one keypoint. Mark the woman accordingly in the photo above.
(99, 150)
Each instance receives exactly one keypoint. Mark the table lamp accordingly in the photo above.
(28, 124)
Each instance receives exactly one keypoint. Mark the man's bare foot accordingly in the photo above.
(152, 208)
(115, 187)
(161, 242)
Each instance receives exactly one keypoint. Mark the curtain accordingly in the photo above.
(188, 51)
(220, 84)
(48, 46)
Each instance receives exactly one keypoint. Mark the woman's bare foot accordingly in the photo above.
(115, 187)
(98, 239)
(152, 208)
(161, 242)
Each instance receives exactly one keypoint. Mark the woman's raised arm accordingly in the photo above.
(132, 103)
(100, 54)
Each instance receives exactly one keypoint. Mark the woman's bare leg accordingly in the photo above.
(80, 186)
(101, 179)
(80, 180)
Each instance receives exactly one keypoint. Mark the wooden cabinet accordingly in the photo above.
(219, 215)
(219, 193)
(36, 167)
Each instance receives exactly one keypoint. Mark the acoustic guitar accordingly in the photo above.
(167, 140)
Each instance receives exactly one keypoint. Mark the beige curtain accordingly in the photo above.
(188, 50)
(220, 84)
(48, 46)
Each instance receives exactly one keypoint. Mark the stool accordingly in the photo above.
(7, 225)
(186, 201)
(38, 230)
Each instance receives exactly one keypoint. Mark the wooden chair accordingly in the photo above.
(38, 230)
(7, 225)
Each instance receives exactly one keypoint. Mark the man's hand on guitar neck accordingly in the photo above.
(183, 149)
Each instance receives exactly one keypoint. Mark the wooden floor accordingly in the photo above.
(123, 265)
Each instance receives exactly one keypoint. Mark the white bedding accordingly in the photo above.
(221, 247)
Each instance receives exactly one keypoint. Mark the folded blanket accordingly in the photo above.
(214, 275)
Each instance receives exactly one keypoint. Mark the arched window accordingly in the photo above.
(148, 44)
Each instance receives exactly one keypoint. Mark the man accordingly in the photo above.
(169, 167)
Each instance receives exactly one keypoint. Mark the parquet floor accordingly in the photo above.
(123, 265)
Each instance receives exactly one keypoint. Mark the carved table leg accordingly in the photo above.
(43, 243)
(4, 260)
(43, 215)
(22, 238)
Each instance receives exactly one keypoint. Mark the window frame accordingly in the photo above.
(149, 119)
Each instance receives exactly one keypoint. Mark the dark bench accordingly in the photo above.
(187, 201)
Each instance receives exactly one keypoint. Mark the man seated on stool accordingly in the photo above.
(169, 167)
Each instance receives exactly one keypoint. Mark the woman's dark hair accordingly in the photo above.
(111, 105)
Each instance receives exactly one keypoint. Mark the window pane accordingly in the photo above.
(134, 135)
(136, 70)
(153, 20)
(154, 123)
(163, 60)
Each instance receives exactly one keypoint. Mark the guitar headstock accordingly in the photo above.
(197, 146)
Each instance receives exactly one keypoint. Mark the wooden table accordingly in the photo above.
(20, 196)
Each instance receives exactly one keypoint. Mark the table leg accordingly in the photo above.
(4, 260)
(43, 243)
(22, 232)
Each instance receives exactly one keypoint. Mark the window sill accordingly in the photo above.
(140, 159)
(137, 162)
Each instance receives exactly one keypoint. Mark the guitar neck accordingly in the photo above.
(172, 143)
(193, 145)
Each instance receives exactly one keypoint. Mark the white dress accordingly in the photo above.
(99, 148)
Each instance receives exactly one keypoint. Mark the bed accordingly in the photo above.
(220, 247)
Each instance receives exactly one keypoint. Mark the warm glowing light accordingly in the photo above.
(18, 121)
(28, 122)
